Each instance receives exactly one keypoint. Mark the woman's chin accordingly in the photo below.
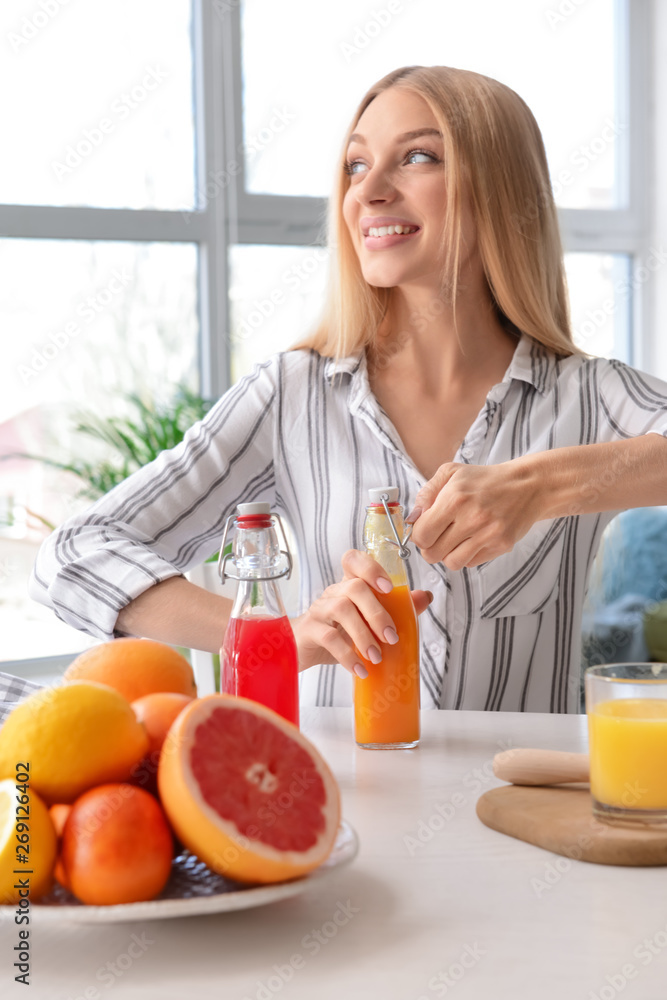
(383, 277)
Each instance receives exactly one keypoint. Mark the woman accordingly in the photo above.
(444, 364)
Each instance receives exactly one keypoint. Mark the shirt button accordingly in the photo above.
(435, 649)
(433, 577)
(466, 452)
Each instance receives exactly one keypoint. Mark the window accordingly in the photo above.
(99, 256)
(161, 218)
(580, 67)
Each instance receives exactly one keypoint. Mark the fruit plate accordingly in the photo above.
(192, 890)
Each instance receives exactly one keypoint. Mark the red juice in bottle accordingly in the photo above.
(259, 660)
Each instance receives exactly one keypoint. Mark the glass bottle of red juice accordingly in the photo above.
(259, 658)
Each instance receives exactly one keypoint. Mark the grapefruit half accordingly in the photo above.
(246, 792)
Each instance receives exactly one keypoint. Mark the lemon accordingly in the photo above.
(26, 829)
(71, 738)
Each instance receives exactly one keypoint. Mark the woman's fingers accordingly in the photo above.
(364, 567)
(348, 622)
(421, 600)
(430, 491)
(340, 648)
(469, 514)
(356, 608)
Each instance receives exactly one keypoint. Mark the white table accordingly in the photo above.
(464, 911)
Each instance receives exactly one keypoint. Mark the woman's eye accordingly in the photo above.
(427, 157)
(351, 168)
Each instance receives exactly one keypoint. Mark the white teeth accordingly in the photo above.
(391, 230)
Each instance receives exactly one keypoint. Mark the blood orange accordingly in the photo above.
(246, 792)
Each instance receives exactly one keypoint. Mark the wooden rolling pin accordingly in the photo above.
(540, 767)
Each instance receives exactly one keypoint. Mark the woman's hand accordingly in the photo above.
(349, 617)
(468, 514)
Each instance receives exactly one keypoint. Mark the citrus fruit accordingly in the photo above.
(246, 792)
(117, 846)
(74, 736)
(156, 711)
(59, 814)
(134, 667)
(26, 830)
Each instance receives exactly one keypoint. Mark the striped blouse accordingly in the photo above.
(306, 433)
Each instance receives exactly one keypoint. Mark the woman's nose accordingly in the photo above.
(376, 186)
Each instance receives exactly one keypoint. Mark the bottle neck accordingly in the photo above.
(380, 543)
(258, 599)
(256, 554)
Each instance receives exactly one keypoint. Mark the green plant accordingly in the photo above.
(134, 441)
(130, 443)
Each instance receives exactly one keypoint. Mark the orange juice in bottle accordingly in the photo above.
(386, 703)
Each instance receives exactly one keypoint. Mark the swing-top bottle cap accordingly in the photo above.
(376, 493)
(260, 507)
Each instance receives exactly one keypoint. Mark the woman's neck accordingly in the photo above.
(424, 339)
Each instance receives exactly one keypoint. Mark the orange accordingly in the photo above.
(74, 736)
(246, 792)
(26, 831)
(59, 814)
(134, 667)
(117, 846)
(156, 712)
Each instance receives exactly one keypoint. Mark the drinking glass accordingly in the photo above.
(626, 705)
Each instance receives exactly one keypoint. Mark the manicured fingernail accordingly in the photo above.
(390, 636)
(360, 670)
(384, 585)
(413, 515)
(430, 596)
(374, 654)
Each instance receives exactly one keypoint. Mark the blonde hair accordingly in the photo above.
(494, 149)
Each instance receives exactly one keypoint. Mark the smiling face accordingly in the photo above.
(397, 178)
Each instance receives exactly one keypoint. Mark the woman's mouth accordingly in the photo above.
(383, 237)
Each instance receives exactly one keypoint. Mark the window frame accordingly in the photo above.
(282, 219)
(230, 215)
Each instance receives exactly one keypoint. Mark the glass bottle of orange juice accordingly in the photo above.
(386, 703)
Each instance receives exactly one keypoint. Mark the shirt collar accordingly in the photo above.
(532, 362)
(348, 365)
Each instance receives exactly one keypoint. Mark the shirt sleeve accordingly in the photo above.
(631, 402)
(168, 516)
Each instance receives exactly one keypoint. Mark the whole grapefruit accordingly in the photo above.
(246, 792)
(134, 667)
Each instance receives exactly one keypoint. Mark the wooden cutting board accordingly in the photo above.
(560, 820)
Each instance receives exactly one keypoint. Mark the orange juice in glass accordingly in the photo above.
(386, 703)
(626, 705)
